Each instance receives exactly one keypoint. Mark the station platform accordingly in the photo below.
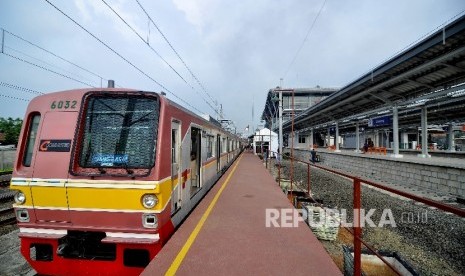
(226, 233)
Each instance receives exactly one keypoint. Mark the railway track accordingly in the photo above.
(7, 217)
(5, 193)
(5, 178)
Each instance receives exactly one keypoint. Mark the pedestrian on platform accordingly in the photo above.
(278, 157)
(313, 155)
(365, 147)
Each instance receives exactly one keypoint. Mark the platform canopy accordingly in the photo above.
(430, 73)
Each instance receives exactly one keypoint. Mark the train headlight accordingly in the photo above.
(20, 198)
(149, 201)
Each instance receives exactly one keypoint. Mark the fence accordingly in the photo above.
(7, 157)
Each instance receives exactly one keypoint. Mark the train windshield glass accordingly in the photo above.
(120, 132)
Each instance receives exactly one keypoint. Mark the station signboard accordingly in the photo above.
(380, 121)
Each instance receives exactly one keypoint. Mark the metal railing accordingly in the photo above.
(357, 195)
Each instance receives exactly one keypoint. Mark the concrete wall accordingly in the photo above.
(440, 179)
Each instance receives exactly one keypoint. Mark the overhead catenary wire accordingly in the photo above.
(49, 64)
(53, 54)
(305, 39)
(176, 52)
(120, 56)
(20, 88)
(46, 69)
(14, 98)
(156, 52)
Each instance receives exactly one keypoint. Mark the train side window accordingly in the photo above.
(31, 138)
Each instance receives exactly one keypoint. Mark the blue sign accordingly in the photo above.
(108, 159)
(380, 121)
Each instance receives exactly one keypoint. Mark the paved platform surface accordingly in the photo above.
(234, 239)
(454, 160)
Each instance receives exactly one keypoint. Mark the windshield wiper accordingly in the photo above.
(128, 170)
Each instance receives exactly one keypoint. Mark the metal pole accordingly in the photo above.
(357, 230)
(329, 137)
(280, 122)
(424, 133)
(451, 146)
(336, 137)
(308, 179)
(395, 130)
(269, 144)
(3, 39)
(311, 138)
(292, 143)
(357, 138)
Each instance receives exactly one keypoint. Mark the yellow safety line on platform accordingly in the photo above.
(183, 252)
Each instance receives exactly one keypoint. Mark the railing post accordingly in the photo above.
(357, 229)
(308, 179)
(291, 177)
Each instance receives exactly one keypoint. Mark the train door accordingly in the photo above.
(176, 177)
(218, 153)
(195, 157)
(48, 184)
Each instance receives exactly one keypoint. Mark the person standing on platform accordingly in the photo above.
(313, 155)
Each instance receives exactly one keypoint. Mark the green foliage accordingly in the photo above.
(11, 128)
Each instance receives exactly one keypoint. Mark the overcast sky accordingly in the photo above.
(237, 50)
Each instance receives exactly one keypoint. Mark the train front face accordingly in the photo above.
(89, 200)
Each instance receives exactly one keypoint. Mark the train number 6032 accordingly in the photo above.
(63, 104)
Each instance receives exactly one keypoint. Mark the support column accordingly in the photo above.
(336, 137)
(311, 138)
(395, 134)
(424, 133)
(329, 136)
(357, 138)
(404, 139)
(388, 142)
(450, 142)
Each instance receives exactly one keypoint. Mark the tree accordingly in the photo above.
(10, 128)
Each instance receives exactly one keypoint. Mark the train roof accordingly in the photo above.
(79, 93)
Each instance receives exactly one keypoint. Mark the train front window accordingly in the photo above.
(120, 131)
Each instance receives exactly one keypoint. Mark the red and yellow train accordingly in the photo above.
(104, 176)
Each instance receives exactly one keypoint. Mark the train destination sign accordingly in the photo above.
(109, 160)
(55, 145)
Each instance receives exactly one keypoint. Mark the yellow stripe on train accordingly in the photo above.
(82, 195)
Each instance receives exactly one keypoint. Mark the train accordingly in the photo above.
(105, 176)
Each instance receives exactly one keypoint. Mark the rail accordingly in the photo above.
(357, 195)
(9, 220)
(5, 178)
